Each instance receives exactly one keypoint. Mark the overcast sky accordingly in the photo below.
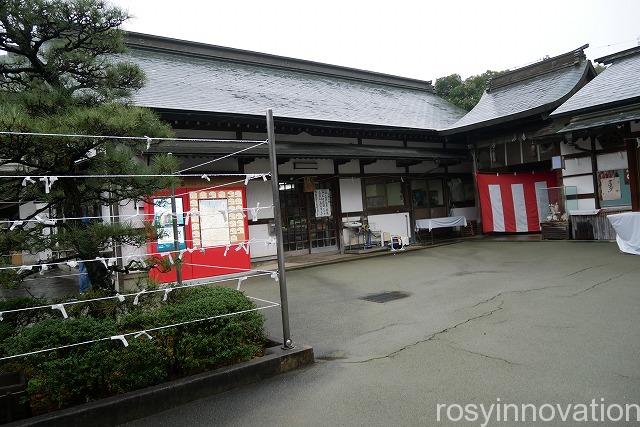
(419, 39)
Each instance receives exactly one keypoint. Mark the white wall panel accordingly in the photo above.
(353, 167)
(351, 195)
(383, 166)
(258, 249)
(576, 166)
(259, 191)
(584, 184)
(611, 161)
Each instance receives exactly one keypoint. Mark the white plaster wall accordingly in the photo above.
(424, 167)
(259, 250)
(353, 167)
(584, 184)
(351, 195)
(395, 224)
(576, 166)
(568, 149)
(258, 166)
(25, 210)
(324, 166)
(130, 208)
(586, 204)
(383, 166)
(611, 161)
(259, 191)
(469, 212)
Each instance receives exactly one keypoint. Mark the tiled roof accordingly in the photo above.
(514, 98)
(197, 83)
(618, 84)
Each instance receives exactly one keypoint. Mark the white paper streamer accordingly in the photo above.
(141, 333)
(240, 280)
(121, 298)
(137, 297)
(62, 310)
(26, 180)
(122, 339)
(48, 182)
(15, 224)
(166, 294)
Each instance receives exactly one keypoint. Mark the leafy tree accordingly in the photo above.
(62, 74)
(599, 68)
(464, 93)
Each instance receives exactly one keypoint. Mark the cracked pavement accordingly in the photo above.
(528, 322)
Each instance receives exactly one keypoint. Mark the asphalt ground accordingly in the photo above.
(523, 322)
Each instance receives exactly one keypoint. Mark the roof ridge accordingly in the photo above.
(612, 57)
(542, 67)
(204, 50)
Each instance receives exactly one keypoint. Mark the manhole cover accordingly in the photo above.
(385, 296)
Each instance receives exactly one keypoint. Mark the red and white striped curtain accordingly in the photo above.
(512, 203)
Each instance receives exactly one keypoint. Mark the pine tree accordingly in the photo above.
(63, 72)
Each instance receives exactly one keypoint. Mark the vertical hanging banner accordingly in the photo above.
(322, 200)
(510, 203)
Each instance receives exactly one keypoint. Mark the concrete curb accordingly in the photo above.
(375, 254)
(140, 403)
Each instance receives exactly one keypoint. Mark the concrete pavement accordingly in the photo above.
(526, 322)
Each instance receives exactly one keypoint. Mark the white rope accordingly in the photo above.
(136, 295)
(192, 212)
(31, 178)
(223, 157)
(122, 337)
(215, 186)
(134, 138)
(107, 261)
(184, 215)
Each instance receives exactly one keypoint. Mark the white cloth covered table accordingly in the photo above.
(448, 221)
(627, 226)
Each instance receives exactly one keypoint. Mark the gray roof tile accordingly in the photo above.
(192, 83)
(618, 83)
(522, 97)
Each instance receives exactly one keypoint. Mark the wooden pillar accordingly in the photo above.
(633, 163)
(594, 169)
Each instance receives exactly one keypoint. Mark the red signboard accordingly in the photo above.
(212, 229)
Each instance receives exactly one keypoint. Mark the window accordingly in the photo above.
(419, 193)
(461, 190)
(513, 153)
(436, 193)
(427, 193)
(383, 194)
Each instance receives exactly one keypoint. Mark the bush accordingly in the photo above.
(75, 375)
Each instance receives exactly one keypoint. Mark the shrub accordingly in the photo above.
(75, 375)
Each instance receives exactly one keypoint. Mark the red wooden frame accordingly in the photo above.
(197, 265)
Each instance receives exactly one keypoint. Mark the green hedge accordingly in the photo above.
(76, 375)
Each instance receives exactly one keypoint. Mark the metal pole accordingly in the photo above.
(282, 280)
(176, 239)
